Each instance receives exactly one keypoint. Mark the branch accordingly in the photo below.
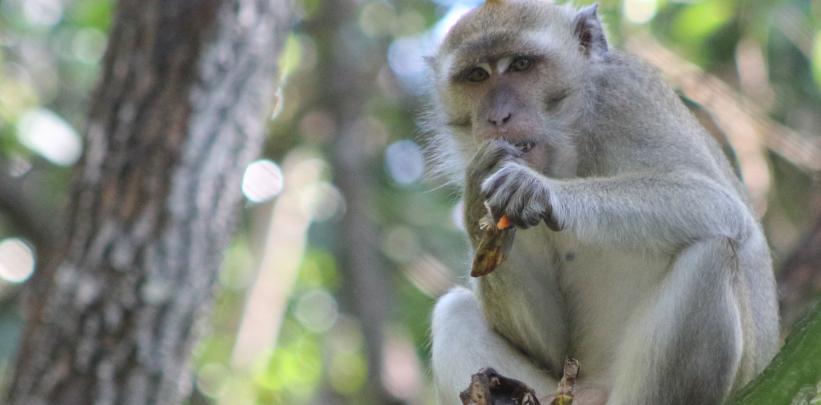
(794, 373)
(487, 387)
(735, 113)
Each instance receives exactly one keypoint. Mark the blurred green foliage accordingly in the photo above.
(50, 54)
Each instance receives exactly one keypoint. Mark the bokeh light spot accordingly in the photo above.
(318, 126)
(404, 161)
(348, 372)
(16, 260)
(316, 310)
(377, 18)
(88, 45)
(45, 133)
(400, 244)
(406, 58)
(211, 379)
(262, 181)
(43, 12)
(322, 201)
(639, 11)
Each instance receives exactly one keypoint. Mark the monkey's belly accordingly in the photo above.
(521, 302)
(556, 297)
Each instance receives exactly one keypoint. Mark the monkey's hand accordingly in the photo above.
(509, 187)
(489, 158)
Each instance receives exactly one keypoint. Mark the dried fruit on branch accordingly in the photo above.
(487, 387)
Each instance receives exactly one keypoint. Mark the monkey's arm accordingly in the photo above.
(665, 210)
(646, 210)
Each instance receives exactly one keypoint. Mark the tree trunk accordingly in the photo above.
(179, 112)
(349, 64)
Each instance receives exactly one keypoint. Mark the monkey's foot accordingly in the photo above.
(487, 387)
(567, 384)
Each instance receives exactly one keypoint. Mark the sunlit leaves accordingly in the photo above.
(291, 56)
(91, 13)
(697, 21)
(816, 58)
(293, 370)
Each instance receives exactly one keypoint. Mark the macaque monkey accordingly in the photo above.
(636, 250)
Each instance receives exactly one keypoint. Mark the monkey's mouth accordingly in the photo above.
(525, 146)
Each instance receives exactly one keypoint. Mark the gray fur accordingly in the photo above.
(652, 270)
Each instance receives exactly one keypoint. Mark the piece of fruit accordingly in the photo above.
(504, 222)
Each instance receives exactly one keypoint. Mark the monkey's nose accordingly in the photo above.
(500, 119)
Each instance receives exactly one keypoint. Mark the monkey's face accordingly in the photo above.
(513, 71)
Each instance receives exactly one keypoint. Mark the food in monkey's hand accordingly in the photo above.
(503, 223)
(494, 245)
(496, 239)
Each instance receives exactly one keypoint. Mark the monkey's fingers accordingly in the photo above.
(550, 220)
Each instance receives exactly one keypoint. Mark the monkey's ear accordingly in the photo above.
(589, 32)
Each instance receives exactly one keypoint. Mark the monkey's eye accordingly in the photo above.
(477, 75)
(521, 64)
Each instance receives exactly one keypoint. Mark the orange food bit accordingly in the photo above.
(504, 222)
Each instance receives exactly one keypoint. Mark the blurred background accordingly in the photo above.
(345, 244)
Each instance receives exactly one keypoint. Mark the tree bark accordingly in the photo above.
(179, 112)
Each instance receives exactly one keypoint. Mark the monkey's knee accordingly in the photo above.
(709, 336)
(454, 311)
(457, 319)
(454, 318)
(711, 257)
(686, 345)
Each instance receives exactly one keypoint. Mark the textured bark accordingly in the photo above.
(179, 111)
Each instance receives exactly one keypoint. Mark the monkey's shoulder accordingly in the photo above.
(623, 78)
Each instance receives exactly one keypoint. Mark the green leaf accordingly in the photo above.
(795, 371)
(816, 58)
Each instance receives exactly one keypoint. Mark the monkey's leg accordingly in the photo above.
(463, 343)
(685, 343)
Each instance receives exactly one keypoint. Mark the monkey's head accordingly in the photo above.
(517, 70)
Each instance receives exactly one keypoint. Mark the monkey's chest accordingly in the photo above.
(556, 297)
